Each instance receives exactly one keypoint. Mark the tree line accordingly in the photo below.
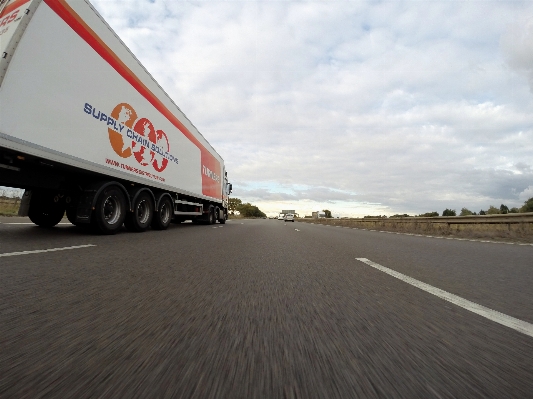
(245, 209)
(249, 210)
(503, 209)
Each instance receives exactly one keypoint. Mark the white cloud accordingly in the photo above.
(526, 194)
(407, 106)
(517, 44)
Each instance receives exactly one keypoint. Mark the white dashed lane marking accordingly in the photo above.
(38, 251)
(516, 324)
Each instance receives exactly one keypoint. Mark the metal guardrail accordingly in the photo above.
(518, 226)
(510, 218)
(477, 219)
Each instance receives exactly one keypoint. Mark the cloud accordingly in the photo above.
(526, 194)
(400, 106)
(517, 45)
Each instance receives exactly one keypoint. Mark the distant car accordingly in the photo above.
(280, 217)
(289, 217)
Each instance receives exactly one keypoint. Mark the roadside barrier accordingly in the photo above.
(514, 225)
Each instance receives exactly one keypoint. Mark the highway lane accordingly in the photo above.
(258, 308)
(497, 275)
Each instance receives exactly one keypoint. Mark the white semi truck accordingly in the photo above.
(86, 130)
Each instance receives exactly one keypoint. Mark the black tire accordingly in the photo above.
(143, 212)
(163, 216)
(217, 213)
(211, 216)
(46, 209)
(110, 211)
(223, 220)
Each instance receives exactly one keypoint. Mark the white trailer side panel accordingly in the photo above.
(9, 20)
(73, 90)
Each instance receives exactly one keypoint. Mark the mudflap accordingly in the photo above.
(24, 207)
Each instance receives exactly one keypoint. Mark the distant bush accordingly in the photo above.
(249, 210)
(465, 212)
(528, 206)
(493, 210)
(429, 214)
(448, 212)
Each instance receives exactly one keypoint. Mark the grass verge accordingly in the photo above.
(9, 207)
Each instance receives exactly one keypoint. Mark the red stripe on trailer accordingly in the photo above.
(13, 6)
(210, 187)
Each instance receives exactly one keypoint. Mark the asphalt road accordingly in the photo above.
(258, 309)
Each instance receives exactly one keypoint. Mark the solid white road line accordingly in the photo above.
(516, 324)
(38, 251)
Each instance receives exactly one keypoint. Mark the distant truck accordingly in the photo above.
(86, 130)
(318, 215)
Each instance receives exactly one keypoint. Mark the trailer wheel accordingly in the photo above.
(211, 216)
(46, 209)
(163, 217)
(217, 214)
(143, 212)
(110, 210)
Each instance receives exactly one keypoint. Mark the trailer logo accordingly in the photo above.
(209, 173)
(130, 135)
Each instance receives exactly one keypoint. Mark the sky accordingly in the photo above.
(359, 107)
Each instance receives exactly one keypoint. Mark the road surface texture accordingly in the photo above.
(258, 309)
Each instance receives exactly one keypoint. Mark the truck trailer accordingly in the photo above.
(86, 130)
